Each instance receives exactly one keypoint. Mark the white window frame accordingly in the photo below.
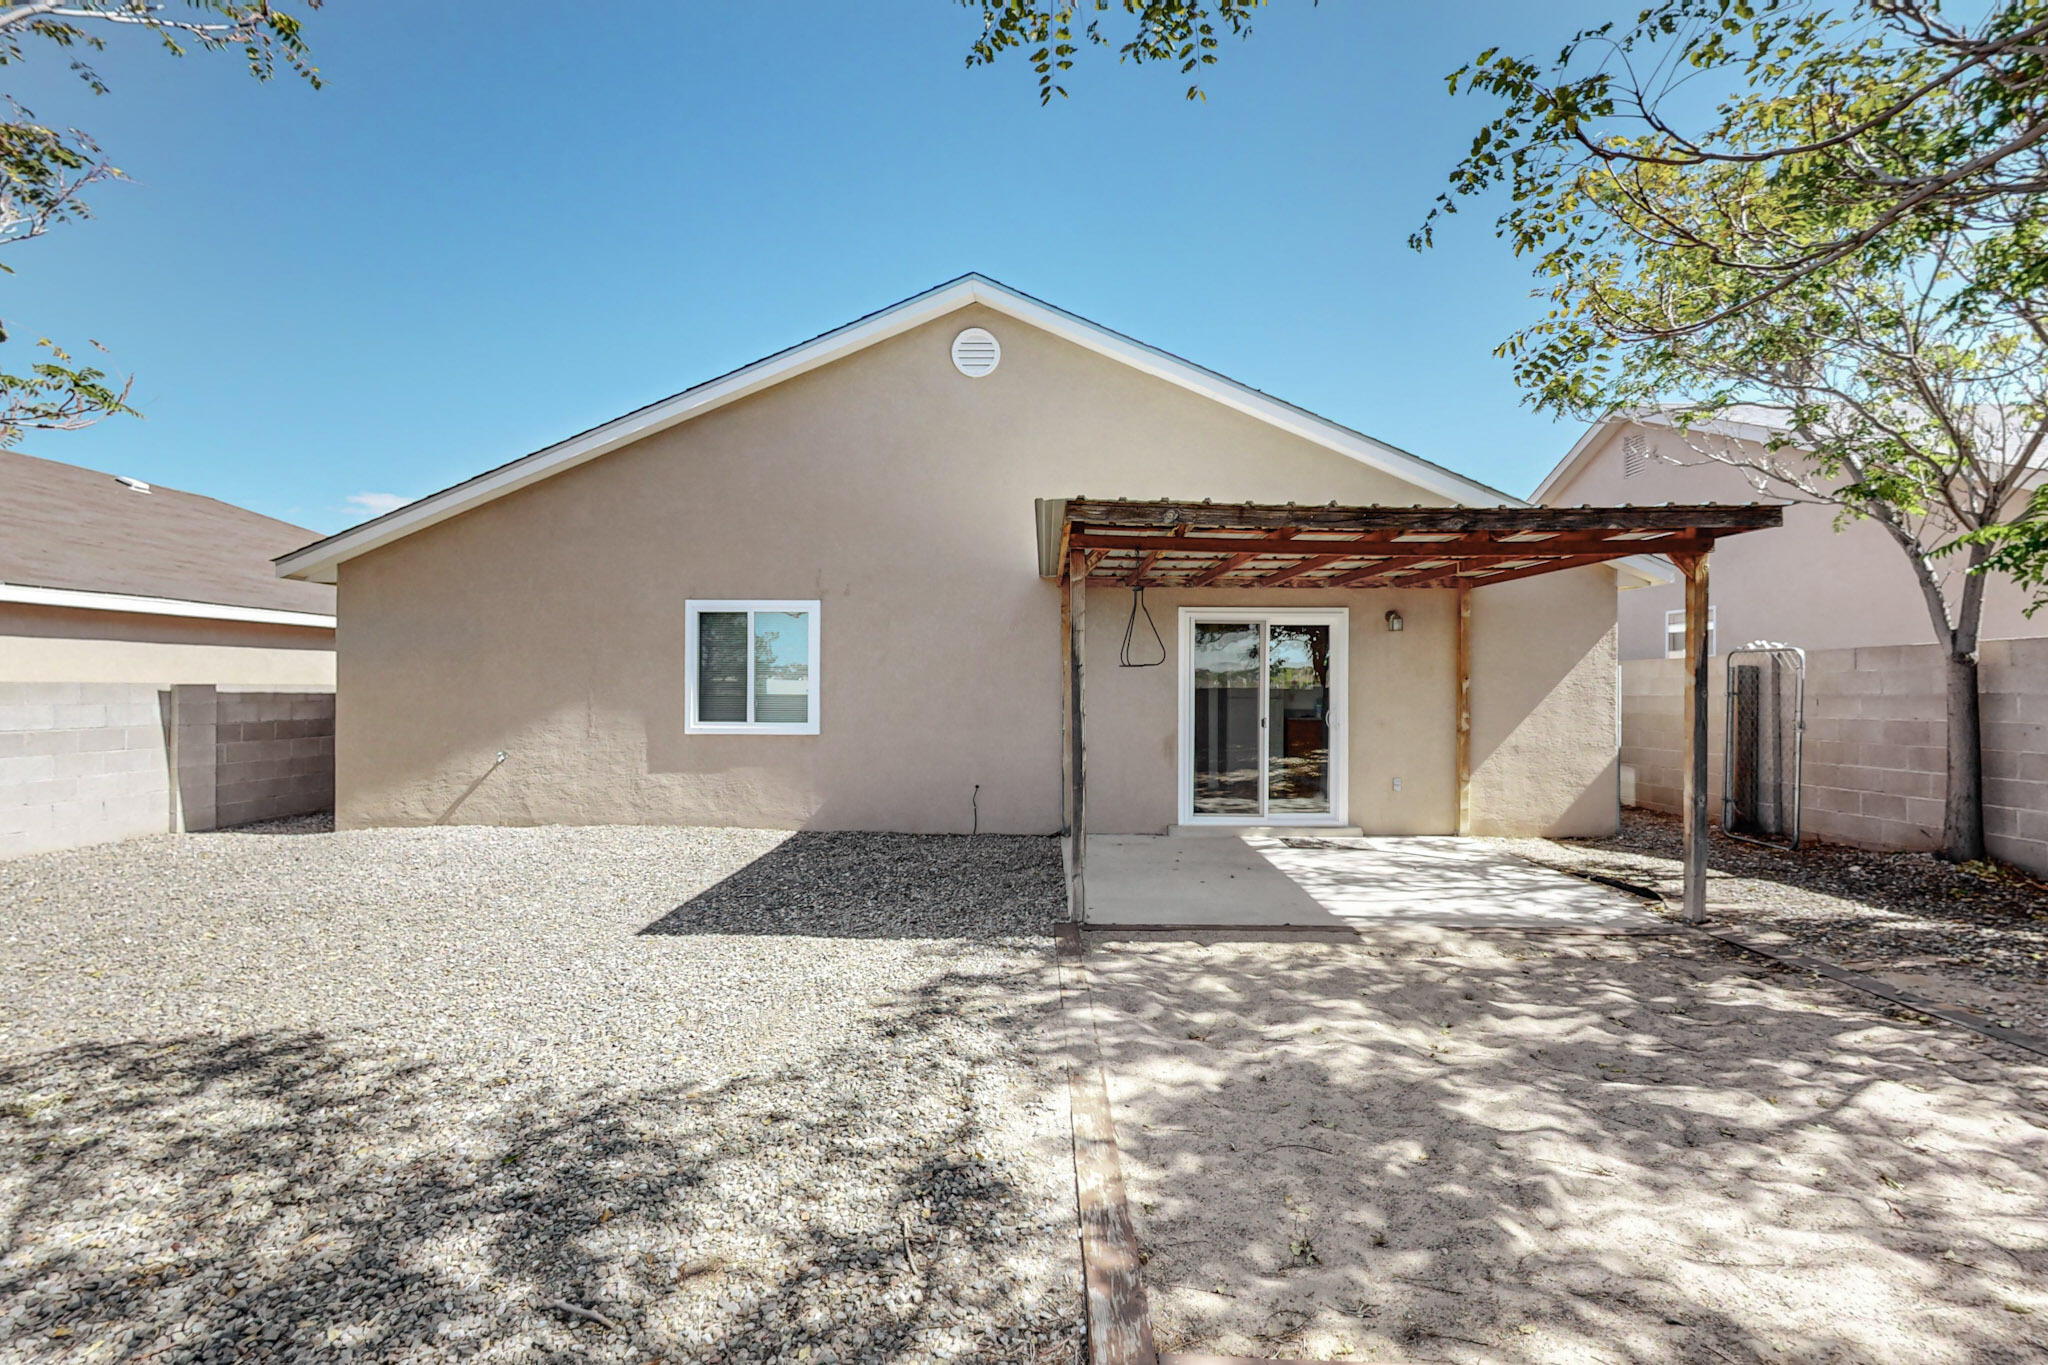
(1675, 620)
(1339, 621)
(695, 608)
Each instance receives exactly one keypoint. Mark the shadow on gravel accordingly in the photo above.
(857, 885)
(1516, 1148)
(296, 1195)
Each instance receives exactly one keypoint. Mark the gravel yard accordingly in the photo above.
(1973, 936)
(540, 1094)
(1431, 1145)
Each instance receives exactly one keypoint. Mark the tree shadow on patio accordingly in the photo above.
(1446, 1146)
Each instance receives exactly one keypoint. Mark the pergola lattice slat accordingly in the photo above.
(1249, 545)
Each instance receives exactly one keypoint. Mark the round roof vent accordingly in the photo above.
(976, 352)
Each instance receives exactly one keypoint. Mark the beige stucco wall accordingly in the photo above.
(1805, 583)
(549, 624)
(62, 644)
(1544, 719)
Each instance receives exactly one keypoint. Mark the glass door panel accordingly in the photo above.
(1298, 720)
(1228, 673)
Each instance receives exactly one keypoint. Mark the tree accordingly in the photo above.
(1864, 388)
(1853, 240)
(1051, 33)
(1885, 123)
(45, 171)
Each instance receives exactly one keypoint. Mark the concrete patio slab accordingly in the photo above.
(1269, 881)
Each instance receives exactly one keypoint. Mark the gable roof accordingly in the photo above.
(74, 537)
(1744, 421)
(319, 561)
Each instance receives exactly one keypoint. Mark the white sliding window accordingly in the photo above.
(752, 668)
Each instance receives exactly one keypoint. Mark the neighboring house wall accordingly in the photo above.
(65, 644)
(1875, 756)
(1805, 583)
(549, 624)
(85, 763)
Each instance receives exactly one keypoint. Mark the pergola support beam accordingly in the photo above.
(1464, 711)
(1693, 813)
(1077, 794)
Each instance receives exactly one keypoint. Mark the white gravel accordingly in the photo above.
(607, 1094)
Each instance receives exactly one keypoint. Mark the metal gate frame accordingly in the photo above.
(1764, 649)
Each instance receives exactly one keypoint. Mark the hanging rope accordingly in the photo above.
(1124, 658)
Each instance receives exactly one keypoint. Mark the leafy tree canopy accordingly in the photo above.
(1050, 34)
(46, 170)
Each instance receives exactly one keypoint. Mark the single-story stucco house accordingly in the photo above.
(839, 589)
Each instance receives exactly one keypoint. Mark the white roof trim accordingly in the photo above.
(158, 606)
(318, 562)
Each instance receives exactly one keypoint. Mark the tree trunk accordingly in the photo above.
(1962, 813)
(1962, 816)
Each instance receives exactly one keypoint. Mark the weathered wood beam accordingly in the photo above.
(1077, 893)
(1693, 802)
(1288, 573)
(1464, 652)
(1384, 566)
(1086, 513)
(1145, 562)
(1461, 578)
(1216, 571)
(1463, 547)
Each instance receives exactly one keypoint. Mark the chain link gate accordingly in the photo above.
(1765, 731)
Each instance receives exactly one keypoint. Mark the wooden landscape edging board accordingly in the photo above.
(1119, 1324)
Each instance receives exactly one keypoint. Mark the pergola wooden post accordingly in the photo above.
(1464, 711)
(1693, 811)
(1075, 586)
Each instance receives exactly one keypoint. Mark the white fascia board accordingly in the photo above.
(159, 606)
(320, 561)
(1649, 571)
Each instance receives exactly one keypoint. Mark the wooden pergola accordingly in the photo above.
(1262, 545)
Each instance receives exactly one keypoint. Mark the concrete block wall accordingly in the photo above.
(85, 763)
(1875, 756)
(81, 763)
(274, 755)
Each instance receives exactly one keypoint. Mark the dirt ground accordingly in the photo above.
(1972, 937)
(1429, 1145)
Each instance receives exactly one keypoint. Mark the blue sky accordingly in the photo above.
(502, 223)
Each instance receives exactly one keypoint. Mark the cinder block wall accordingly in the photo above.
(85, 763)
(1875, 753)
(274, 755)
(81, 763)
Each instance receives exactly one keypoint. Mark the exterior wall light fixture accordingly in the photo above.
(1394, 621)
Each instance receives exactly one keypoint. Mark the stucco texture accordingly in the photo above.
(63, 644)
(1811, 582)
(549, 624)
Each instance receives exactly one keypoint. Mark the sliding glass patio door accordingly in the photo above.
(1262, 701)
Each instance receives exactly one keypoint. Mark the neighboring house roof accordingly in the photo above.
(73, 537)
(1741, 421)
(319, 562)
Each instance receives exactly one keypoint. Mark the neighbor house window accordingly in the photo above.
(1674, 633)
(753, 668)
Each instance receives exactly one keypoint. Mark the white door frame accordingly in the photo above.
(1338, 619)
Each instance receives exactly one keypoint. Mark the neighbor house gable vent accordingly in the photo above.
(976, 352)
(1633, 450)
